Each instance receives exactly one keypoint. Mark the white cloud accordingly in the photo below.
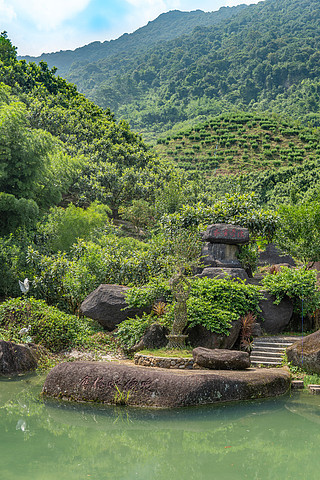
(7, 13)
(49, 14)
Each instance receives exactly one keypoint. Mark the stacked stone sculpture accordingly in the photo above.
(220, 248)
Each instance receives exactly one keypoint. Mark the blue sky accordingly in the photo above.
(37, 26)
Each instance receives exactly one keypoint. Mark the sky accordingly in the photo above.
(42, 26)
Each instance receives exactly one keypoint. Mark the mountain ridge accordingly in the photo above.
(176, 23)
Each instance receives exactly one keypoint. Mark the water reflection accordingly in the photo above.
(269, 439)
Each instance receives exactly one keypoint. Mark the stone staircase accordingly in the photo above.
(269, 351)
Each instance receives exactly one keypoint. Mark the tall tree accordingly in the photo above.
(8, 53)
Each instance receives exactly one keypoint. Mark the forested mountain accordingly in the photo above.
(264, 57)
(166, 27)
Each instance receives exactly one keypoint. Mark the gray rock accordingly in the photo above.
(154, 337)
(305, 353)
(224, 233)
(220, 255)
(273, 256)
(256, 330)
(15, 358)
(107, 305)
(199, 336)
(275, 318)
(218, 359)
(156, 387)
(220, 273)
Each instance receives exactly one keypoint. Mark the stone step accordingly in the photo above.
(284, 340)
(270, 355)
(315, 389)
(269, 351)
(262, 359)
(272, 344)
(262, 348)
(264, 362)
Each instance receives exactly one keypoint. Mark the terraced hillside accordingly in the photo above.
(241, 142)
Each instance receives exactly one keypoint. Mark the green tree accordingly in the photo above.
(65, 226)
(299, 231)
(22, 151)
(8, 53)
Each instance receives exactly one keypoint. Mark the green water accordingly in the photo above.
(271, 439)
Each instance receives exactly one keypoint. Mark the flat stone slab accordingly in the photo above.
(163, 362)
(224, 233)
(220, 359)
(297, 384)
(315, 389)
(155, 387)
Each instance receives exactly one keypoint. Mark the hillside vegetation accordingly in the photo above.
(70, 174)
(241, 143)
(264, 57)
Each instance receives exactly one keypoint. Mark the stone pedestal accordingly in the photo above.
(220, 249)
(220, 255)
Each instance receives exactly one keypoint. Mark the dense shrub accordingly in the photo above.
(63, 227)
(236, 209)
(131, 330)
(212, 303)
(298, 283)
(50, 327)
(65, 280)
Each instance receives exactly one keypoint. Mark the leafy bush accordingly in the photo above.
(237, 209)
(140, 213)
(132, 329)
(65, 281)
(297, 283)
(13, 262)
(212, 303)
(64, 226)
(50, 327)
(299, 230)
(215, 303)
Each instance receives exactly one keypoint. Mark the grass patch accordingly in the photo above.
(312, 379)
(163, 352)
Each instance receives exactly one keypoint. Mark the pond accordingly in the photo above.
(268, 439)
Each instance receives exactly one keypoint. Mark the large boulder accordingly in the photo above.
(273, 256)
(15, 358)
(221, 273)
(199, 336)
(221, 359)
(107, 305)
(305, 353)
(112, 383)
(275, 318)
(224, 233)
(154, 337)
